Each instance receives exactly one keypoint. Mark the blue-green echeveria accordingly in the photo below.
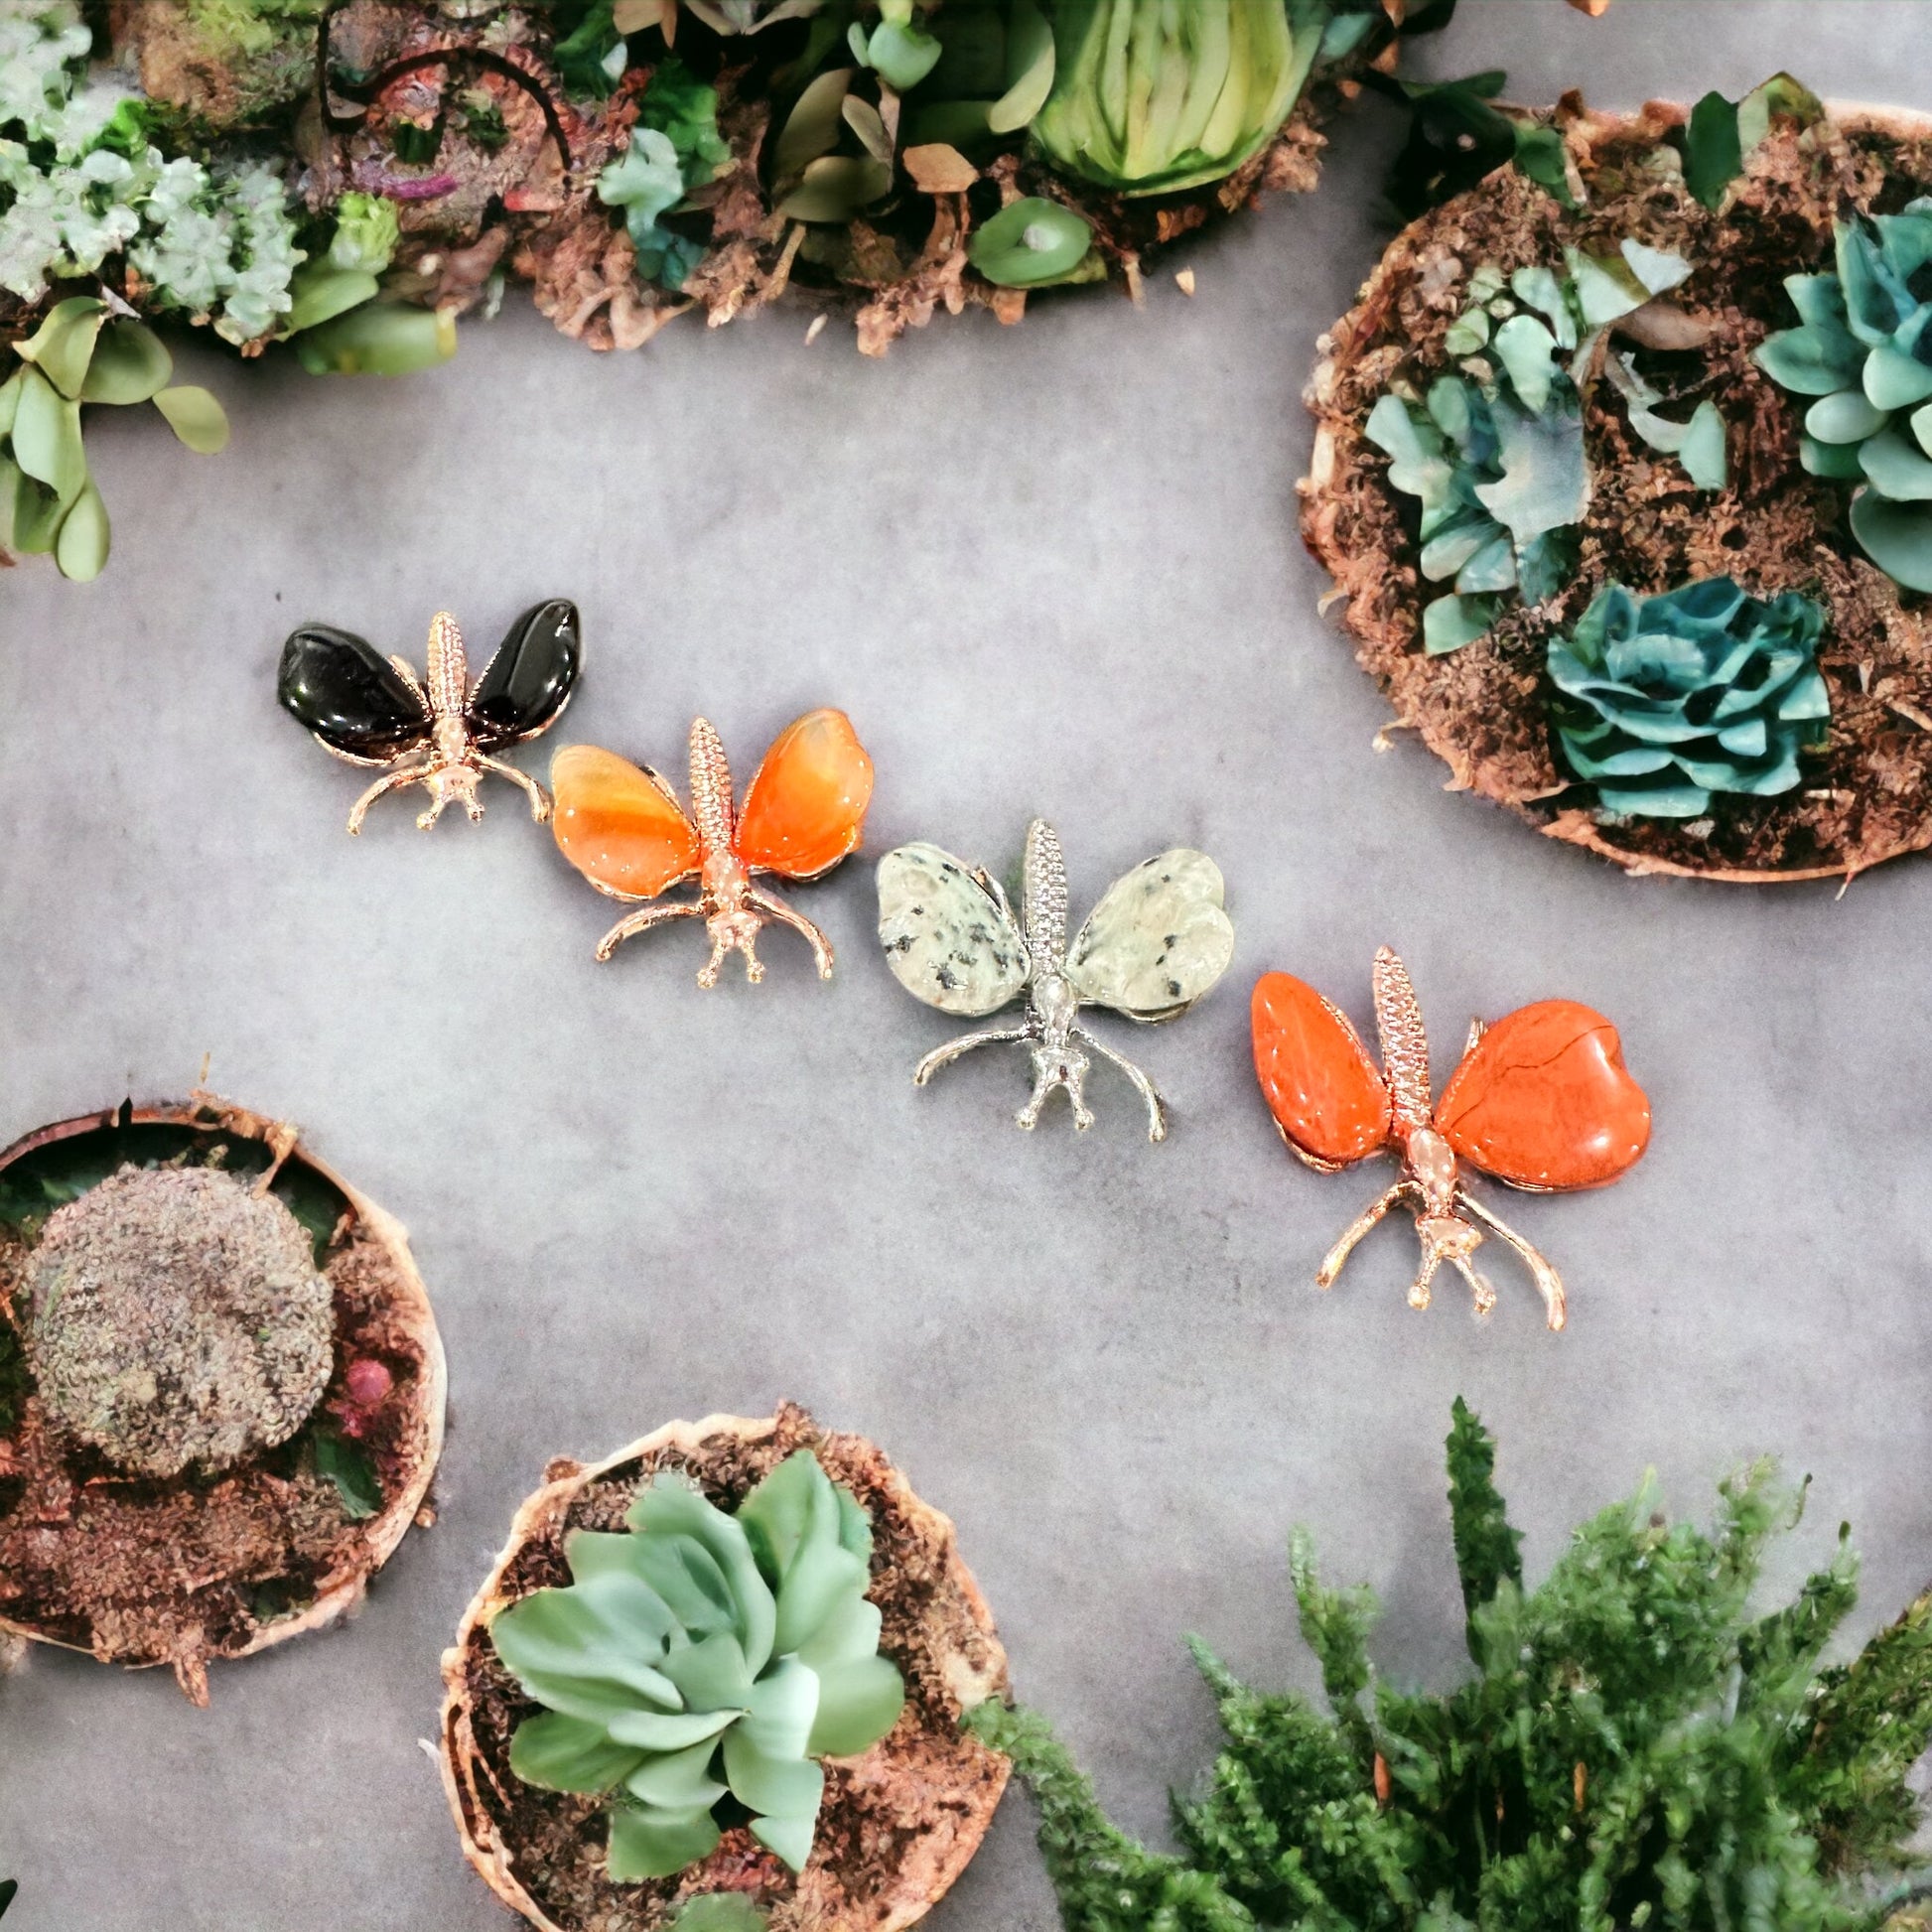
(1864, 350)
(701, 1659)
(1671, 699)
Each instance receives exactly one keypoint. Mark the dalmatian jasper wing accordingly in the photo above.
(948, 940)
(1157, 939)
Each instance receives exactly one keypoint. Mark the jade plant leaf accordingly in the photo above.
(703, 1659)
(63, 346)
(1897, 537)
(80, 549)
(47, 437)
(196, 417)
(130, 364)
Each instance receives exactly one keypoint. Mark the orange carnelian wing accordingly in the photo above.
(1321, 1083)
(806, 803)
(1543, 1100)
(618, 825)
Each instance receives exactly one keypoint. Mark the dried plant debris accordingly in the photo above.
(899, 1818)
(1624, 484)
(220, 1390)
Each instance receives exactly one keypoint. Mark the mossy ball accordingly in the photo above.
(175, 1316)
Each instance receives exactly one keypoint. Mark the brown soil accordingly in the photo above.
(898, 1824)
(141, 1571)
(1866, 795)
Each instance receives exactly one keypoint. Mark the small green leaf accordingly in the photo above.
(863, 118)
(835, 187)
(1029, 69)
(1450, 623)
(812, 127)
(902, 56)
(378, 338)
(720, 1911)
(652, 1843)
(64, 344)
(10, 401)
(81, 547)
(1702, 454)
(130, 364)
(1780, 97)
(47, 437)
(347, 1464)
(1713, 153)
(37, 516)
(321, 291)
(196, 417)
(1030, 242)
(1541, 155)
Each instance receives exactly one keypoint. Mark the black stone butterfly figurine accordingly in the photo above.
(439, 733)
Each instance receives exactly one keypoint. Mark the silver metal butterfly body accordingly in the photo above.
(1156, 942)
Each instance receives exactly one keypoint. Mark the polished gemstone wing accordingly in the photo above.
(618, 824)
(1543, 1100)
(1320, 1082)
(529, 682)
(1157, 939)
(806, 803)
(349, 694)
(949, 939)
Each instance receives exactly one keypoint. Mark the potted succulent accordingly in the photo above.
(1639, 1745)
(221, 1388)
(1621, 469)
(715, 1679)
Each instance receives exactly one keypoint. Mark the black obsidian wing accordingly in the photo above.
(349, 694)
(529, 680)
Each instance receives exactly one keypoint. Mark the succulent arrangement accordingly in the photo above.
(1704, 689)
(221, 1388)
(1519, 422)
(700, 1660)
(1638, 1746)
(1863, 350)
(1495, 454)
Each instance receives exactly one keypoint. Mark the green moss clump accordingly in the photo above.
(1636, 1749)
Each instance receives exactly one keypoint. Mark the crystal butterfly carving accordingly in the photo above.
(440, 732)
(1541, 1100)
(1153, 945)
(621, 825)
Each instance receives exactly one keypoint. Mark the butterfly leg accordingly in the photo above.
(1448, 1237)
(773, 907)
(953, 1048)
(1364, 1223)
(1549, 1283)
(408, 775)
(642, 921)
(1156, 1113)
(1057, 1067)
(539, 799)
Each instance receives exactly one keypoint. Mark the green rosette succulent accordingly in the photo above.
(1148, 96)
(1864, 350)
(1673, 698)
(704, 1660)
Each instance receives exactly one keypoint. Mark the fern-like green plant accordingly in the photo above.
(702, 1660)
(1637, 1749)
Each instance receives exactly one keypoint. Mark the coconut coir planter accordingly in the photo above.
(1707, 288)
(222, 1389)
(898, 1822)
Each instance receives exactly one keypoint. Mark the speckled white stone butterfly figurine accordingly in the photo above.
(1156, 942)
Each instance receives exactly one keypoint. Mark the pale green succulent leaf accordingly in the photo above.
(1545, 481)
(648, 1841)
(1897, 537)
(46, 441)
(864, 120)
(668, 1731)
(711, 1675)
(81, 547)
(812, 127)
(565, 1753)
(788, 1834)
(1527, 350)
(1416, 464)
(1492, 567)
(1838, 460)
(720, 1911)
(64, 345)
(1897, 467)
(835, 187)
(130, 364)
(1541, 289)
(1029, 244)
(1029, 69)
(1450, 623)
(1844, 416)
(1920, 421)
(590, 1650)
(1816, 360)
(196, 416)
(378, 338)
(320, 291)
(37, 514)
(1895, 381)
(901, 56)
(671, 1507)
(678, 1780)
(850, 1631)
(858, 1704)
(1818, 299)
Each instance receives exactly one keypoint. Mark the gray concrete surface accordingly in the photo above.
(1050, 570)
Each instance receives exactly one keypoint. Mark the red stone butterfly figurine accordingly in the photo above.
(1541, 1100)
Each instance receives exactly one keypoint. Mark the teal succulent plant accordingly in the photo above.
(1671, 700)
(1494, 453)
(1638, 1748)
(674, 147)
(703, 1661)
(1864, 350)
(1148, 97)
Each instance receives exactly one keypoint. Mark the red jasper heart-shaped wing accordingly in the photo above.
(1543, 1100)
(1320, 1084)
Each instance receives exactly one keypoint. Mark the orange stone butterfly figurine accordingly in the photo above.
(1541, 1100)
(621, 825)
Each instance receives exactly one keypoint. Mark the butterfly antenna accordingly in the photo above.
(1042, 895)
(1405, 1044)
(447, 668)
(711, 789)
